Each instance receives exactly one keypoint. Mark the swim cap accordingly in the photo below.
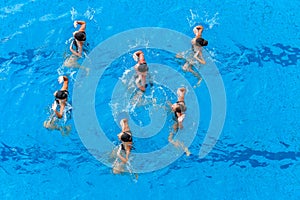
(80, 36)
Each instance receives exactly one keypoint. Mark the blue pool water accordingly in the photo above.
(255, 46)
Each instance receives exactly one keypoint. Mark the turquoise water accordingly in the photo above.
(254, 44)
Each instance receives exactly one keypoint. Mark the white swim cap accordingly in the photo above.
(60, 79)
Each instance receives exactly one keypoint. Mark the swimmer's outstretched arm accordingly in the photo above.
(140, 55)
(65, 85)
(79, 53)
(136, 67)
(82, 25)
(60, 113)
(127, 153)
(63, 104)
(180, 120)
(124, 160)
(198, 56)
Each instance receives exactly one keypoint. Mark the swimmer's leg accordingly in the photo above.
(71, 61)
(186, 66)
(197, 75)
(87, 70)
(50, 124)
(176, 127)
(65, 131)
(143, 80)
(129, 168)
(181, 54)
(118, 167)
(178, 144)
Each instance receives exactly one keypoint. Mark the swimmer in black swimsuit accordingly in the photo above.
(126, 138)
(197, 43)
(76, 47)
(61, 97)
(79, 39)
(179, 109)
(125, 147)
(141, 69)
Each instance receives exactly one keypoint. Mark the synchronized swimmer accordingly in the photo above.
(141, 68)
(196, 54)
(76, 47)
(125, 136)
(61, 98)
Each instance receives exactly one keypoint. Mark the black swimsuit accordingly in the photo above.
(126, 137)
(82, 36)
(143, 67)
(61, 95)
(75, 42)
(181, 108)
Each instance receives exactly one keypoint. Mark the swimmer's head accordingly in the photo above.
(80, 36)
(201, 42)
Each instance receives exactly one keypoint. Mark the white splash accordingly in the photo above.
(28, 23)
(90, 13)
(192, 18)
(123, 78)
(12, 9)
(50, 17)
(204, 18)
(7, 38)
(138, 42)
(211, 21)
(73, 13)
